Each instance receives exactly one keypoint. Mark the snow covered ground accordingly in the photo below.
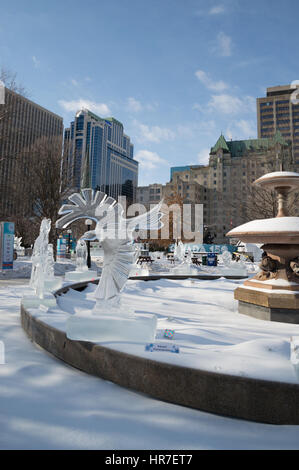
(22, 268)
(210, 333)
(45, 404)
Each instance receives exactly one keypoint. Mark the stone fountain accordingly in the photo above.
(273, 294)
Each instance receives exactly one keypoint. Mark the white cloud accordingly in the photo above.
(192, 129)
(224, 45)
(228, 104)
(216, 10)
(203, 156)
(155, 134)
(74, 82)
(209, 83)
(247, 128)
(242, 129)
(35, 61)
(76, 105)
(198, 107)
(134, 105)
(150, 160)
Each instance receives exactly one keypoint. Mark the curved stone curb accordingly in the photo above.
(233, 396)
(176, 277)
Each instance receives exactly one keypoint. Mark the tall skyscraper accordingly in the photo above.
(99, 155)
(277, 112)
(22, 122)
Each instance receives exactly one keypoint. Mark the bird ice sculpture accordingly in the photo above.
(108, 321)
(114, 232)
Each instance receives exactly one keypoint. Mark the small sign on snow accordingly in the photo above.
(162, 347)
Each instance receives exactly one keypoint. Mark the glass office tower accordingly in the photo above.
(97, 154)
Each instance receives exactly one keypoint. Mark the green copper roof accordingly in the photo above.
(220, 144)
(238, 148)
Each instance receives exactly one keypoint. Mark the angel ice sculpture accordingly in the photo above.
(114, 232)
(40, 258)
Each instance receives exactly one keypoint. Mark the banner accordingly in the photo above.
(7, 236)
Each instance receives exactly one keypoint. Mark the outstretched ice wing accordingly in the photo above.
(151, 220)
(83, 206)
(118, 259)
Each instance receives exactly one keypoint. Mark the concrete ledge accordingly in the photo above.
(233, 396)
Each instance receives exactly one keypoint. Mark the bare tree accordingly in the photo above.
(261, 203)
(37, 187)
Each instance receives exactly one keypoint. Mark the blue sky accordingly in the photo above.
(176, 73)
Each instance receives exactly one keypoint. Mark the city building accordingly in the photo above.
(150, 194)
(223, 186)
(98, 154)
(279, 111)
(22, 122)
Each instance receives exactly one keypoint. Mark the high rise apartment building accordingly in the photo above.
(98, 154)
(279, 111)
(22, 123)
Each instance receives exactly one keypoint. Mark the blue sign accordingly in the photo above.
(212, 257)
(7, 236)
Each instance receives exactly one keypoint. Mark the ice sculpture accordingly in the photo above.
(81, 255)
(82, 272)
(137, 269)
(17, 243)
(39, 258)
(20, 250)
(226, 258)
(110, 320)
(185, 268)
(42, 279)
(179, 251)
(51, 282)
(231, 267)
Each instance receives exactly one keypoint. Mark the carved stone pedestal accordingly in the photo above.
(273, 294)
(271, 306)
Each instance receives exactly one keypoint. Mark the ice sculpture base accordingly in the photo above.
(52, 285)
(110, 327)
(32, 301)
(137, 271)
(232, 270)
(78, 276)
(184, 269)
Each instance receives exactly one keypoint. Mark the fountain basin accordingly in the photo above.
(278, 230)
